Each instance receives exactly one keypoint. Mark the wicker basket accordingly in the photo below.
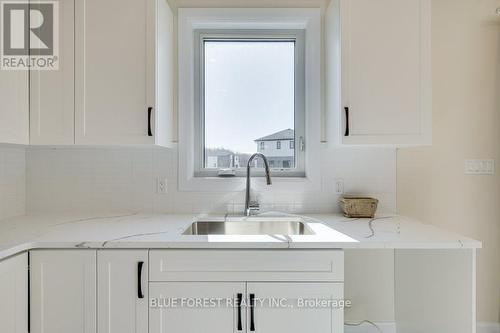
(359, 206)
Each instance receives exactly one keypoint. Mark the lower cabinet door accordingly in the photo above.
(194, 307)
(122, 291)
(14, 294)
(294, 307)
(63, 291)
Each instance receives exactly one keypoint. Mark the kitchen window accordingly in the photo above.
(247, 78)
(249, 90)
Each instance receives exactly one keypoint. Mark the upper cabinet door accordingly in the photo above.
(122, 291)
(14, 107)
(52, 107)
(63, 291)
(385, 72)
(14, 291)
(116, 71)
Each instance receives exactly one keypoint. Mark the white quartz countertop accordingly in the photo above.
(165, 231)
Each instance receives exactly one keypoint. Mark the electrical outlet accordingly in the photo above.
(480, 167)
(339, 186)
(161, 185)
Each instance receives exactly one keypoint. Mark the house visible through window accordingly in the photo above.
(249, 98)
(283, 155)
(292, 144)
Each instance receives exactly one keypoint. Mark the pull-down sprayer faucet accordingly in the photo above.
(253, 206)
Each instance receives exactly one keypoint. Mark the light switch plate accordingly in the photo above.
(480, 167)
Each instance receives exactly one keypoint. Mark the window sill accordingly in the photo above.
(238, 184)
(255, 173)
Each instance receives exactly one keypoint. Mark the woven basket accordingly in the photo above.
(359, 206)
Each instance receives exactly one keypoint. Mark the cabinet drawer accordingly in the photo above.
(246, 265)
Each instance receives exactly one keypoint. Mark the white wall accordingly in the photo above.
(12, 181)
(432, 185)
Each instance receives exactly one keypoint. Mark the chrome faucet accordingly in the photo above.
(253, 206)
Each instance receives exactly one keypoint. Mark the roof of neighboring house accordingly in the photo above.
(287, 134)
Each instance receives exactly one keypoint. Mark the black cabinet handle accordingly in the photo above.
(140, 294)
(240, 299)
(346, 109)
(252, 315)
(150, 111)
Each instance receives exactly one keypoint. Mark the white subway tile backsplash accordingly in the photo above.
(12, 182)
(124, 180)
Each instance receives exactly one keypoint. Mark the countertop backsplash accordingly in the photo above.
(12, 181)
(125, 179)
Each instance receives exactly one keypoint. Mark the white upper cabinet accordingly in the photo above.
(384, 86)
(14, 291)
(123, 69)
(14, 107)
(52, 110)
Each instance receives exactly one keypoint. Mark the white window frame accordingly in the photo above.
(203, 35)
(271, 19)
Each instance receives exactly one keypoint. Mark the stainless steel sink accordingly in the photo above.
(249, 227)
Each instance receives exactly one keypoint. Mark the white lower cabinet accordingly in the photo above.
(122, 291)
(175, 310)
(14, 294)
(63, 291)
(139, 291)
(295, 307)
(266, 307)
(278, 291)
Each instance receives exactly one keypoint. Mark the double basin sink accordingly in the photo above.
(250, 226)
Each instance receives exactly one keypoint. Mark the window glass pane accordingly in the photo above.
(249, 102)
